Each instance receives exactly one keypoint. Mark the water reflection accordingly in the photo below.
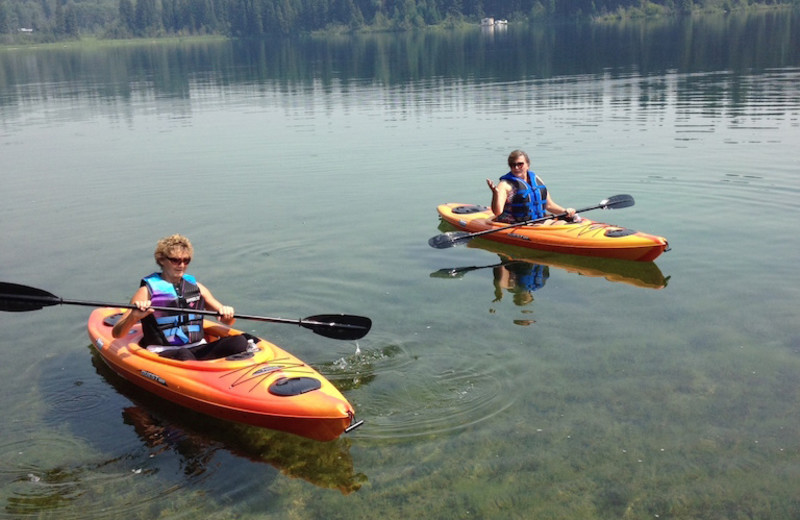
(445, 381)
(179, 70)
(520, 279)
(196, 438)
(520, 272)
(85, 462)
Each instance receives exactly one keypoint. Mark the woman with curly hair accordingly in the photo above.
(179, 334)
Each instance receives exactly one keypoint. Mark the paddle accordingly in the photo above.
(458, 272)
(454, 238)
(22, 298)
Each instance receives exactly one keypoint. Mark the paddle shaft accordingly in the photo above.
(63, 301)
(337, 326)
(529, 222)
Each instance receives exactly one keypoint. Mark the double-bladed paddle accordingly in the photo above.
(21, 298)
(454, 238)
(458, 272)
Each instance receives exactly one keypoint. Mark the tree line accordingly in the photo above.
(52, 20)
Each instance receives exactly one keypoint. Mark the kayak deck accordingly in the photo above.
(266, 386)
(587, 237)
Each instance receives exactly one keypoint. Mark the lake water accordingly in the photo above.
(307, 174)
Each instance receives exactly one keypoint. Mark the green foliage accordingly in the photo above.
(47, 20)
(5, 18)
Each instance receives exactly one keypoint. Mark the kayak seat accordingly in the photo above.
(112, 320)
(469, 209)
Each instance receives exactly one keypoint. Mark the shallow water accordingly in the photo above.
(307, 176)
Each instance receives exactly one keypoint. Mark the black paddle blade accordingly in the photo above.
(449, 239)
(338, 326)
(22, 298)
(459, 272)
(452, 272)
(617, 202)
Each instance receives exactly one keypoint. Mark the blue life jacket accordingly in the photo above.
(527, 202)
(167, 328)
(533, 278)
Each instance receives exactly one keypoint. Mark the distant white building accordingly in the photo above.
(25, 30)
(491, 22)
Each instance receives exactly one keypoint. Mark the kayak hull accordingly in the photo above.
(586, 238)
(265, 387)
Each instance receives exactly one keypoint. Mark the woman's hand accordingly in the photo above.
(225, 312)
(142, 309)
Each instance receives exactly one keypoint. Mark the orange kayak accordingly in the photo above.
(587, 237)
(266, 386)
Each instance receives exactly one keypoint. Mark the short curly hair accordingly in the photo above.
(166, 245)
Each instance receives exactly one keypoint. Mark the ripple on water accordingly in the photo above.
(50, 473)
(444, 402)
(31, 484)
(366, 364)
(85, 460)
(81, 399)
(424, 401)
(71, 392)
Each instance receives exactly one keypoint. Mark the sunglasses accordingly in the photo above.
(517, 164)
(179, 261)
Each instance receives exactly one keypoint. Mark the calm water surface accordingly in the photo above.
(307, 176)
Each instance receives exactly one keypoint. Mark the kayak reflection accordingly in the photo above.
(196, 438)
(520, 271)
(640, 274)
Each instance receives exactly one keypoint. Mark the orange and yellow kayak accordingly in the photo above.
(587, 237)
(265, 386)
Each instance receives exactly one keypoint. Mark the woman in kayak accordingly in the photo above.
(520, 195)
(177, 335)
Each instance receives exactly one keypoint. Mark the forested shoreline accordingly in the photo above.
(41, 21)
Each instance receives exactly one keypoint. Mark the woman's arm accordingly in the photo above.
(141, 299)
(225, 312)
(499, 195)
(556, 209)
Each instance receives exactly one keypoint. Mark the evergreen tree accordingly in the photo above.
(71, 28)
(147, 19)
(127, 15)
(5, 18)
(59, 22)
(56, 19)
